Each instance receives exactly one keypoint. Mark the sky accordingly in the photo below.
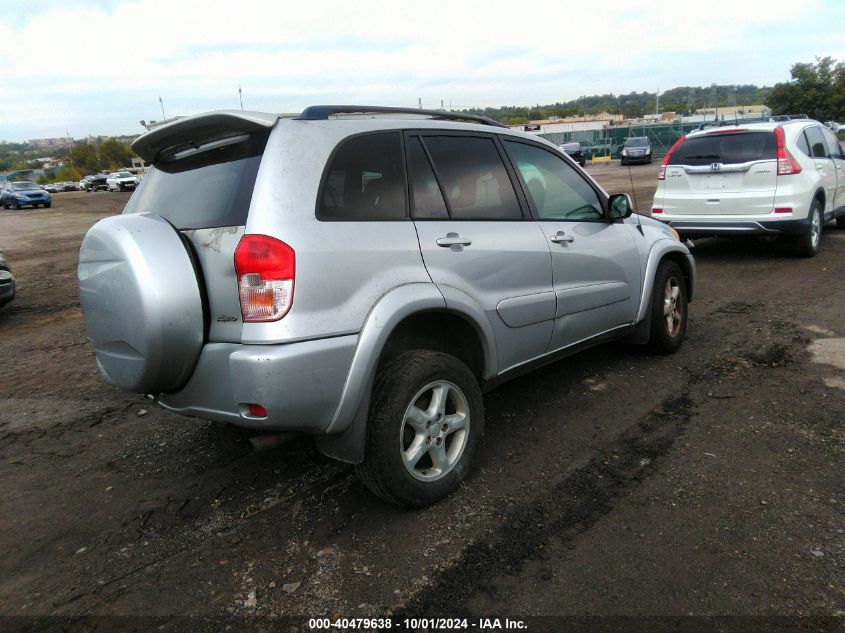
(98, 67)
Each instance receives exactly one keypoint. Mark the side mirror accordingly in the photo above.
(620, 206)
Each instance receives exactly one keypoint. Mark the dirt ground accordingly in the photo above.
(708, 483)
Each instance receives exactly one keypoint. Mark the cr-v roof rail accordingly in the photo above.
(322, 112)
(757, 119)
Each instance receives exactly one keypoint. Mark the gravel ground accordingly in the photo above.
(613, 483)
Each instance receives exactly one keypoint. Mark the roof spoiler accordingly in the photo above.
(198, 130)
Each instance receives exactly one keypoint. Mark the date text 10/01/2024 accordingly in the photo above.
(415, 624)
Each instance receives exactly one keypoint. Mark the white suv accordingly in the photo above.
(768, 178)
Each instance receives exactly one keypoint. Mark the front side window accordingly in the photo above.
(556, 189)
(474, 178)
(365, 180)
(833, 148)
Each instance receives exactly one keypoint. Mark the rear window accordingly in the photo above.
(203, 190)
(725, 148)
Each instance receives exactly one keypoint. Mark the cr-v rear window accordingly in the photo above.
(202, 189)
(740, 147)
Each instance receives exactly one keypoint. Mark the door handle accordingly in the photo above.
(453, 239)
(560, 236)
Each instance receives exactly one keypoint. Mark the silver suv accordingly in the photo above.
(364, 274)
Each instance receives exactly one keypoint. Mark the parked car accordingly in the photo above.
(324, 293)
(97, 182)
(23, 193)
(121, 181)
(52, 188)
(7, 282)
(772, 179)
(70, 186)
(636, 149)
(574, 151)
(834, 127)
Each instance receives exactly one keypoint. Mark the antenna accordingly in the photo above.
(163, 116)
(241, 97)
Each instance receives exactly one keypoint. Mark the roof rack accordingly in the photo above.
(759, 119)
(323, 112)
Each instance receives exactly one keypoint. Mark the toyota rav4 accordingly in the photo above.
(364, 274)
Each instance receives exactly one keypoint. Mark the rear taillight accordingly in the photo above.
(266, 269)
(661, 174)
(786, 162)
(656, 211)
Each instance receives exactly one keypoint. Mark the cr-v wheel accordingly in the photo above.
(668, 309)
(807, 244)
(426, 421)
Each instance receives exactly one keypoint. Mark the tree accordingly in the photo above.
(816, 89)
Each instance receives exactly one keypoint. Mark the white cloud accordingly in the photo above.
(98, 65)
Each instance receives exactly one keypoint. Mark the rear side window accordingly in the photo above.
(725, 148)
(816, 140)
(365, 180)
(203, 190)
(428, 200)
(474, 178)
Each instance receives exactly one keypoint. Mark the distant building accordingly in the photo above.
(64, 142)
(139, 163)
(729, 112)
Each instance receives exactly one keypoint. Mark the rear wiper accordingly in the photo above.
(704, 156)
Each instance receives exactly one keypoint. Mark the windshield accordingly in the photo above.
(123, 174)
(23, 186)
(637, 141)
(204, 190)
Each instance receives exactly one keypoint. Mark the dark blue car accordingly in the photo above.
(24, 193)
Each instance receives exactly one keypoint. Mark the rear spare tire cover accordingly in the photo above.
(141, 302)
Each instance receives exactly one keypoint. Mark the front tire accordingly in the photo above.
(426, 422)
(668, 309)
(808, 244)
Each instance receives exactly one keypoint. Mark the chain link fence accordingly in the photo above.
(609, 141)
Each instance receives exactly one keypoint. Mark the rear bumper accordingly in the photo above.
(722, 228)
(7, 287)
(299, 384)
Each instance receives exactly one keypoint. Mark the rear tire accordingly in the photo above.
(668, 309)
(419, 451)
(808, 244)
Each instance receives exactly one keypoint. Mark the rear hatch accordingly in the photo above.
(724, 172)
(201, 183)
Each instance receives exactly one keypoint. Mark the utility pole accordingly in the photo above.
(241, 97)
(419, 103)
(163, 116)
(657, 103)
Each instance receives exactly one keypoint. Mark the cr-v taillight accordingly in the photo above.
(266, 269)
(661, 173)
(786, 161)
